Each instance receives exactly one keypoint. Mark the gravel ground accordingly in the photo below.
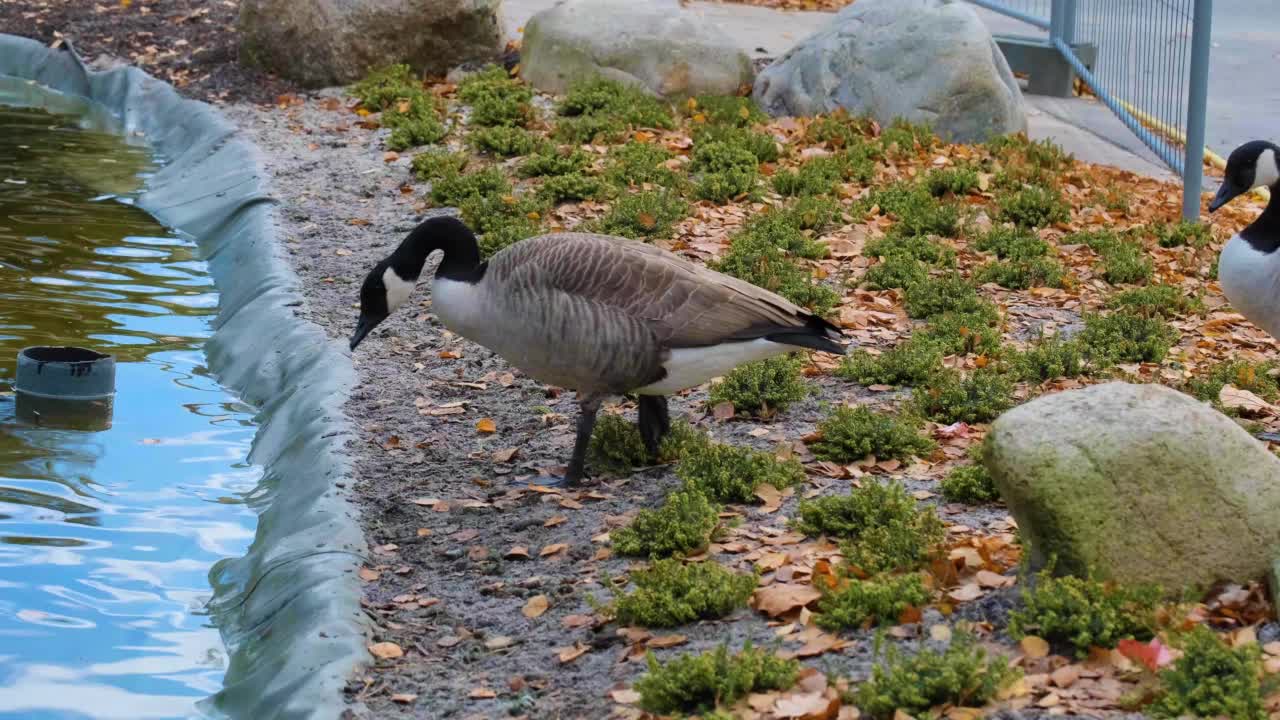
(441, 511)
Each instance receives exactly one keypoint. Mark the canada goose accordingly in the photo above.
(1249, 267)
(597, 314)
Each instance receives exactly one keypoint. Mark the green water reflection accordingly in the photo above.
(106, 537)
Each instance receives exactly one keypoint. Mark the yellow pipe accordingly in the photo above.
(1160, 126)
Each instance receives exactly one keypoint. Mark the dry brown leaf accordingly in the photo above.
(666, 641)
(499, 642)
(505, 455)
(1246, 402)
(553, 549)
(517, 552)
(1034, 647)
(807, 706)
(403, 698)
(966, 592)
(1065, 676)
(782, 598)
(386, 651)
(482, 693)
(569, 654)
(625, 697)
(368, 575)
(485, 425)
(536, 605)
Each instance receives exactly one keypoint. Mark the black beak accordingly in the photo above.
(1226, 193)
(363, 326)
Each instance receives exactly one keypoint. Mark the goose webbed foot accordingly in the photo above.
(654, 422)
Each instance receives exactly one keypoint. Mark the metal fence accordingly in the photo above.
(1146, 60)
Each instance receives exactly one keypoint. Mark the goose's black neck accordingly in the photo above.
(461, 259)
(1263, 234)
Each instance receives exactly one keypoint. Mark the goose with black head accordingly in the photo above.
(1249, 266)
(598, 314)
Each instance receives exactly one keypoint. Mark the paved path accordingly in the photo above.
(1244, 96)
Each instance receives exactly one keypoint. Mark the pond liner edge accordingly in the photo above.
(289, 609)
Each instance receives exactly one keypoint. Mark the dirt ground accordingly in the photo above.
(486, 585)
(442, 513)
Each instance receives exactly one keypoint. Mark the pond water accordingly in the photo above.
(106, 537)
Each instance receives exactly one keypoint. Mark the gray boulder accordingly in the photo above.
(659, 45)
(318, 43)
(924, 60)
(1138, 483)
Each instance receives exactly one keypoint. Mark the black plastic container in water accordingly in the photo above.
(65, 387)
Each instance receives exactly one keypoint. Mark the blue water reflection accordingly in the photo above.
(106, 538)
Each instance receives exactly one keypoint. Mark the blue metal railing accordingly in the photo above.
(1151, 69)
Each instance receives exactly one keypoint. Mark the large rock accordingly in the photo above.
(333, 42)
(1138, 483)
(657, 44)
(924, 60)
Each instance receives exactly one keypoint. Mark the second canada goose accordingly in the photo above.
(1249, 267)
(597, 314)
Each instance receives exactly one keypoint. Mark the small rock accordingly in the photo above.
(657, 45)
(928, 61)
(1138, 483)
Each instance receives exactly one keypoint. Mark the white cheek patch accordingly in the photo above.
(1268, 172)
(398, 289)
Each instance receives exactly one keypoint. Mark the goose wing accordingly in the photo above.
(681, 303)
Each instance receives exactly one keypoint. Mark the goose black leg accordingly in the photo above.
(588, 406)
(655, 422)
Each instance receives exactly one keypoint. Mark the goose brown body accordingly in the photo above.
(600, 314)
(594, 313)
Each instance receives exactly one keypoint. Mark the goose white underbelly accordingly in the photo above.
(1251, 281)
(690, 367)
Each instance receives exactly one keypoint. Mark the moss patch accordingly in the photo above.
(1049, 358)
(504, 140)
(731, 473)
(881, 528)
(951, 397)
(1010, 242)
(1183, 232)
(670, 593)
(452, 189)
(970, 484)
(852, 433)
(1256, 377)
(628, 104)
(433, 165)
(702, 683)
(896, 271)
(964, 333)
(1034, 206)
(547, 162)
(643, 216)
(722, 172)
(756, 259)
(1212, 680)
(855, 604)
(909, 363)
(496, 98)
(899, 244)
(616, 446)
(762, 388)
(1124, 337)
(949, 293)
(637, 163)
(1164, 300)
(1084, 613)
(916, 211)
(963, 675)
(683, 525)
(951, 181)
(1023, 274)
(574, 186)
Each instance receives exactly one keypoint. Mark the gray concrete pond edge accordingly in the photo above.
(289, 609)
